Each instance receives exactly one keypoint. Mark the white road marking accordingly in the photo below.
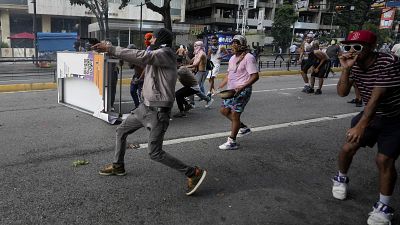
(284, 89)
(254, 129)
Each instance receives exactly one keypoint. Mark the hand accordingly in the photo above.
(135, 80)
(348, 59)
(316, 70)
(354, 134)
(239, 89)
(102, 47)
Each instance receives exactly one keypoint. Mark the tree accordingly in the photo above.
(164, 11)
(355, 14)
(361, 17)
(100, 10)
(285, 16)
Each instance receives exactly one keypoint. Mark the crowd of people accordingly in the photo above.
(374, 74)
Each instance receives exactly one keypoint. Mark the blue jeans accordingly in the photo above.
(136, 92)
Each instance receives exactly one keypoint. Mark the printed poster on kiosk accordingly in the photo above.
(81, 83)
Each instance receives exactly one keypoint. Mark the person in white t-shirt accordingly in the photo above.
(215, 54)
(396, 49)
(293, 49)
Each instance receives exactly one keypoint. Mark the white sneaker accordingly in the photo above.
(243, 132)
(381, 215)
(209, 103)
(230, 144)
(339, 188)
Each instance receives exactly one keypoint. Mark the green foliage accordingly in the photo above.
(285, 16)
(384, 35)
(4, 45)
(350, 20)
(362, 17)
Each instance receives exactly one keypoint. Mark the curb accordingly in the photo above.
(126, 81)
(27, 87)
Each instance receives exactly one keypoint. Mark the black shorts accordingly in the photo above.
(323, 71)
(384, 131)
(306, 65)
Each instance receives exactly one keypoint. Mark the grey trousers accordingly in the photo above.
(156, 123)
(200, 77)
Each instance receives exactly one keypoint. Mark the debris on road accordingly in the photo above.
(80, 162)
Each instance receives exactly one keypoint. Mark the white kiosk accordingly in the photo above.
(84, 84)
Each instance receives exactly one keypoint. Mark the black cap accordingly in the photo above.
(164, 37)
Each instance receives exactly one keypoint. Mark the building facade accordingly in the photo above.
(59, 16)
(227, 15)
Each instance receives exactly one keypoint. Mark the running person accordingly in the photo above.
(377, 77)
(215, 53)
(199, 66)
(242, 74)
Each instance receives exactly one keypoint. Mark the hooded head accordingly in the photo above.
(147, 38)
(131, 46)
(164, 38)
(198, 46)
(240, 44)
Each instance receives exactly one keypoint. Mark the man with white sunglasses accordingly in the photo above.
(377, 75)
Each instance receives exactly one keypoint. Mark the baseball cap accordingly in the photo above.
(361, 36)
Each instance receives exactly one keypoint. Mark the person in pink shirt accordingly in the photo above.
(242, 74)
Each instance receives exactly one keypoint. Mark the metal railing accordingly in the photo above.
(23, 70)
(14, 2)
(271, 61)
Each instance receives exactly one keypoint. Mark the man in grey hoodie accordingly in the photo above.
(154, 113)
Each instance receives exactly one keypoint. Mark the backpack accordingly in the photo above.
(209, 65)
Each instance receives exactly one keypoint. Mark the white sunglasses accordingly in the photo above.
(355, 47)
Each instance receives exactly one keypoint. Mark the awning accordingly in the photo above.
(23, 35)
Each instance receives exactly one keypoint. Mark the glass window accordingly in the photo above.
(64, 25)
(23, 23)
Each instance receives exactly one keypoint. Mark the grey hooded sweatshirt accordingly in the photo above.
(160, 73)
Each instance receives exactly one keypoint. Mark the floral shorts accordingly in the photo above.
(238, 102)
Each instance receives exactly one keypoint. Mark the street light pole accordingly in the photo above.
(140, 25)
(35, 30)
(333, 15)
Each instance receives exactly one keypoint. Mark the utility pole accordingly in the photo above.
(35, 30)
(140, 25)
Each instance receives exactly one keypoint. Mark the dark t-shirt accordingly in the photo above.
(333, 51)
(384, 72)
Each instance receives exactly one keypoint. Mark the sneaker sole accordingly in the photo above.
(234, 148)
(112, 174)
(207, 106)
(198, 183)
(339, 196)
(378, 220)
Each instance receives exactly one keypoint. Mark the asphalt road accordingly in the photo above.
(279, 176)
